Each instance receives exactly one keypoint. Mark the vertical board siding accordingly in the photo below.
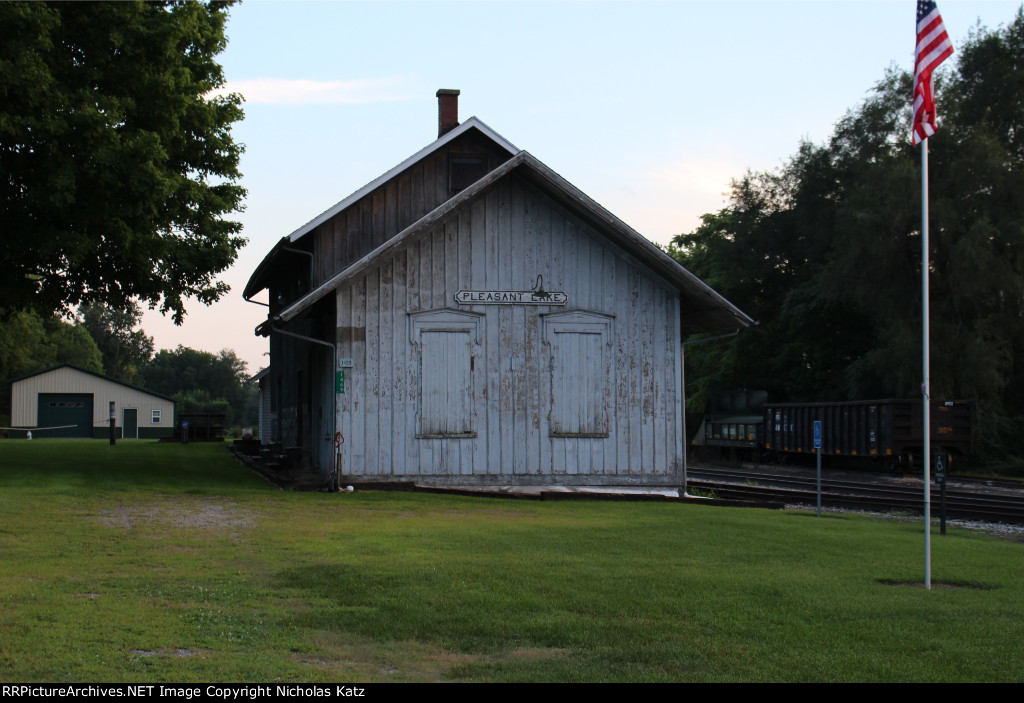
(355, 382)
(393, 206)
(520, 390)
(385, 383)
(373, 367)
(492, 360)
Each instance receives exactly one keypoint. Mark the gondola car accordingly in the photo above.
(889, 429)
(734, 419)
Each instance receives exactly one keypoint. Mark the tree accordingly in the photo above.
(116, 165)
(125, 350)
(201, 380)
(30, 343)
(825, 253)
(765, 252)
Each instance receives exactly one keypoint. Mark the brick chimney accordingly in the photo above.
(447, 111)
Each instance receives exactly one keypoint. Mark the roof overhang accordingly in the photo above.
(703, 309)
(259, 279)
(80, 369)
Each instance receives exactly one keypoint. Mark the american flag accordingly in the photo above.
(933, 47)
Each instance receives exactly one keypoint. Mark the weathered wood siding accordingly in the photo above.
(266, 426)
(302, 389)
(532, 416)
(382, 213)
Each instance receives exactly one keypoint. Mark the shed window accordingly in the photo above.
(156, 417)
(580, 370)
(446, 341)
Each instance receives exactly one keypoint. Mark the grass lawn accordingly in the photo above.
(149, 562)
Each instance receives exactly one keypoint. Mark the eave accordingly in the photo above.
(260, 278)
(703, 309)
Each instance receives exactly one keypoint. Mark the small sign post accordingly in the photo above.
(817, 452)
(940, 477)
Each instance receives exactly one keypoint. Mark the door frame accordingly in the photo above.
(124, 422)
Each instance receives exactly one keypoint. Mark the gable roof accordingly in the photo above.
(258, 279)
(471, 123)
(703, 309)
(48, 369)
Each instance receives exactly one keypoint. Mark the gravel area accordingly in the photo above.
(999, 529)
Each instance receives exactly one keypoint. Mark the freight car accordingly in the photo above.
(889, 429)
(734, 419)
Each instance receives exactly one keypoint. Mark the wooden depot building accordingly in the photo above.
(471, 318)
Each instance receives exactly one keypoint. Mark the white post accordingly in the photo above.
(926, 383)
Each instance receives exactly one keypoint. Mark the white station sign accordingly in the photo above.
(509, 297)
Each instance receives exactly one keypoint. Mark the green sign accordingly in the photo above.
(339, 381)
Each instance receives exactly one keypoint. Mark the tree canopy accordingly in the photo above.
(116, 166)
(825, 253)
(125, 349)
(203, 382)
(30, 343)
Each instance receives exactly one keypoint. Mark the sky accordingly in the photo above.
(650, 108)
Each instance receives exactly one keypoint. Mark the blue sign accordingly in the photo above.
(817, 434)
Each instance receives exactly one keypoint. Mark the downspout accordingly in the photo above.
(269, 325)
(685, 445)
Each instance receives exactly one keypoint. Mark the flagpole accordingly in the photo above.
(933, 47)
(926, 384)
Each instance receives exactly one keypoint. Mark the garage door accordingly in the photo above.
(58, 409)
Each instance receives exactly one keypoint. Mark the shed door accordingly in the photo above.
(72, 412)
(130, 423)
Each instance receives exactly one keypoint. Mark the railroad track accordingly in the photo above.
(875, 495)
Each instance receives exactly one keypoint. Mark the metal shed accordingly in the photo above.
(75, 402)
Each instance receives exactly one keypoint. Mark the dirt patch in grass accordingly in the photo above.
(346, 656)
(197, 513)
(163, 653)
(534, 654)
